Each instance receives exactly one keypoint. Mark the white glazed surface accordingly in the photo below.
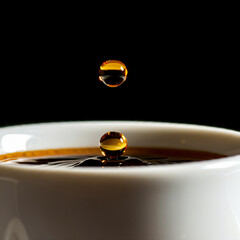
(191, 201)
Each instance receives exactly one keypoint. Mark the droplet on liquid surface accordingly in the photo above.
(113, 144)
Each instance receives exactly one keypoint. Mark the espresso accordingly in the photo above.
(86, 157)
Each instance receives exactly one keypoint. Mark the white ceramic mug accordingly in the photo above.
(189, 201)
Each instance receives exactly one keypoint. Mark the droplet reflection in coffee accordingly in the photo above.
(113, 73)
(113, 144)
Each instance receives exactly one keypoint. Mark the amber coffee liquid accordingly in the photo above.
(71, 157)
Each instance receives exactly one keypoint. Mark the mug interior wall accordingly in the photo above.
(139, 134)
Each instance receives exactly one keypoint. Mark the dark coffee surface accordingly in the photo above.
(83, 157)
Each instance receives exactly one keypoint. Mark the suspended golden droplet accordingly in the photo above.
(113, 73)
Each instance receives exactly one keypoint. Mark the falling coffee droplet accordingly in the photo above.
(113, 73)
(113, 145)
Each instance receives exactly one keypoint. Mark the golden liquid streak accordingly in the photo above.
(48, 152)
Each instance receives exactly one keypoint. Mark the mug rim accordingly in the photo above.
(223, 164)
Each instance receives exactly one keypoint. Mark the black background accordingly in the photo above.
(182, 70)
